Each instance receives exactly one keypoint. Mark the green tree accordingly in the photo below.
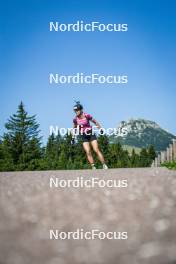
(134, 159)
(151, 153)
(22, 140)
(53, 151)
(144, 158)
(103, 142)
(115, 153)
(6, 162)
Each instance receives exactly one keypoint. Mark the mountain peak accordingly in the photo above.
(138, 125)
(142, 133)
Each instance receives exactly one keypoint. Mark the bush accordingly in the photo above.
(169, 165)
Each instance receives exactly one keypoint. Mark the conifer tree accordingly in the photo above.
(134, 159)
(144, 158)
(22, 140)
(151, 152)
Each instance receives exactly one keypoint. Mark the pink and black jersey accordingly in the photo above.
(83, 123)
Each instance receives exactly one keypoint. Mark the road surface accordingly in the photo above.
(145, 211)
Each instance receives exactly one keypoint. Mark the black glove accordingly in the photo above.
(72, 141)
(101, 131)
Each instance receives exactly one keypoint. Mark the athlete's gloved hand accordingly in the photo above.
(101, 131)
(72, 141)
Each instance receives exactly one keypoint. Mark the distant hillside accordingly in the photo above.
(142, 133)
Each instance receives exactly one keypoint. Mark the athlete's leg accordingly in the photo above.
(95, 147)
(87, 148)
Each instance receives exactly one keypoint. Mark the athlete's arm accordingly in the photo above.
(90, 118)
(96, 123)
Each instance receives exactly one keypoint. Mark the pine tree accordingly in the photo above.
(115, 155)
(6, 162)
(151, 152)
(144, 158)
(22, 139)
(134, 159)
(50, 147)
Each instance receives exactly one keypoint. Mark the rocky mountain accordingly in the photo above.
(142, 133)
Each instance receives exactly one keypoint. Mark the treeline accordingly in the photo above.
(21, 149)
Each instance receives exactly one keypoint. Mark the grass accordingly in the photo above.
(169, 165)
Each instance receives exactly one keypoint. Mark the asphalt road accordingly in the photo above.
(143, 213)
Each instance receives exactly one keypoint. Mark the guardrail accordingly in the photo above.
(168, 155)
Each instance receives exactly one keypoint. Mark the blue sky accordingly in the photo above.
(146, 53)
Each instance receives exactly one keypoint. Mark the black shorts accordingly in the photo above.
(88, 138)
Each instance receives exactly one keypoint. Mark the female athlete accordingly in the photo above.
(82, 121)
